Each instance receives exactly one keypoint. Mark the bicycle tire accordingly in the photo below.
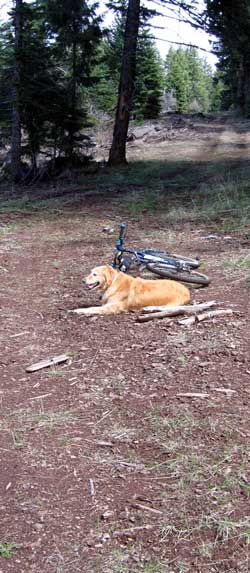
(184, 276)
(194, 263)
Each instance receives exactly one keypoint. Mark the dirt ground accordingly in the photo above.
(105, 467)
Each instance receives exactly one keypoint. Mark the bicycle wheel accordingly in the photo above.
(193, 263)
(184, 276)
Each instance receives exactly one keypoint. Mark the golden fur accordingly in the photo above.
(123, 292)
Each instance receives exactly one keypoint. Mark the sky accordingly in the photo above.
(173, 30)
(180, 32)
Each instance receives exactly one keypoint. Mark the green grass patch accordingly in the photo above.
(7, 550)
(212, 191)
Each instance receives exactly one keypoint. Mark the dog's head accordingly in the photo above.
(100, 278)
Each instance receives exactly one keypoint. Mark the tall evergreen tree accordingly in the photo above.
(178, 77)
(76, 30)
(149, 79)
(190, 78)
(199, 75)
(230, 22)
(16, 91)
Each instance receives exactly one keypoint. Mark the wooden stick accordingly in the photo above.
(146, 508)
(204, 316)
(200, 306)
(193, 395)
(176, 311)
(213, 313)
(187, 321)
(132, 530)
(46, 363)
(92, 487)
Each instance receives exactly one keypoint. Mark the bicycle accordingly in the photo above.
(161, 263)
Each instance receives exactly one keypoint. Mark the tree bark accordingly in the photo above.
(117, 154)
(16, 121)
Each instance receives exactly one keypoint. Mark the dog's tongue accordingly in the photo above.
(91, 286)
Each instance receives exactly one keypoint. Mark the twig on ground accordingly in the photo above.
(104, 444)
(192, 395)
(19, 334)
(47, 362)
(146, 508)
(107, 413)
(227, 391)
(41, 396)
(93, 359)
(92, 487)
(132, 530)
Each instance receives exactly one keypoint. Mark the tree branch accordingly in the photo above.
(184, 44)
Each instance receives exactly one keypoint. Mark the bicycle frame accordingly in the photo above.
(140, 257)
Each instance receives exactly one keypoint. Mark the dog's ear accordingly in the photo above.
(109, 273)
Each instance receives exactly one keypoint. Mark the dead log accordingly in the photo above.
(174, 311)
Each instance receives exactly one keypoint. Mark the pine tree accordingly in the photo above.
(76, 30)
(149, 79)
(230, 22)
(178, 78)
(190, 78)
(16, 92)
(199, 74)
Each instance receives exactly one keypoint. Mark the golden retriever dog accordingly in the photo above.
(123, 292)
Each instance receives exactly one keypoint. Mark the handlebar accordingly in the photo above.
(121, 236)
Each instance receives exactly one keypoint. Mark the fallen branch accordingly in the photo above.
(46, 363)
(204, 316)
(146, 508)
(174, 311)
(213, 313)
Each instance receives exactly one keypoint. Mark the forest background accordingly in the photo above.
(61, 71)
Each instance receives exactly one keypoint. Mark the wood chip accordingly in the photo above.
(47, 363)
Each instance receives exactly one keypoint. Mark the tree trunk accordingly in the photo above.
(70, 151)
(117, 154)
(16, 121)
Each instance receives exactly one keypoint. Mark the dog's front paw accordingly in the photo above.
(78, 310)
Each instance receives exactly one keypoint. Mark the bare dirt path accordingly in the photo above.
(105, 468)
